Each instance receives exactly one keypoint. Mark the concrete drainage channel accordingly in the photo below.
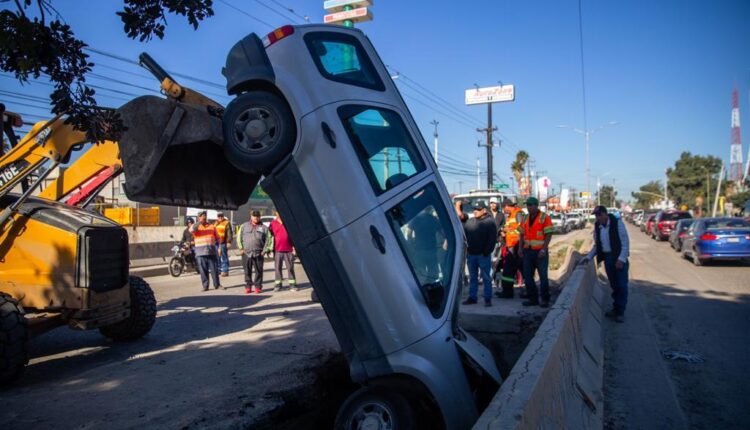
(552, 363)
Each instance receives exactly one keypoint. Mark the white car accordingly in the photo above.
(317, 115)
(559, 223)
(574, 221)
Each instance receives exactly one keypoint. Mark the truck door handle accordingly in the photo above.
(328, 134)
(378, 241)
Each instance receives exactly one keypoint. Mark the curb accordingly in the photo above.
(557, 381)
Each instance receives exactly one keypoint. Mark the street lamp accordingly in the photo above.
(587, 135)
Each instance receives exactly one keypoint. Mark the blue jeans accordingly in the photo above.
(223, 259)
(618, 281)
(479, 264)
(531, 263)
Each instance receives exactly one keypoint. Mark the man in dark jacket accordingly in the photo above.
(481, 237)
(612, 247)
(251, 240)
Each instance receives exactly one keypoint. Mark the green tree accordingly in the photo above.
(649, 194)
(518, 166)
(691, 177)
(32, 46)
(606, 195)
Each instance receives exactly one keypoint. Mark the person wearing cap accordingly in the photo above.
(612, 246)
(205, 239)
(224, 230)
(251, 240)
(536, 232)
(511, 263)
(187, 235)
(481, 237)
(498, 216)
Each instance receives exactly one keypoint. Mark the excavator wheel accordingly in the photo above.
(142, 313)
(259, 131)
(14, 336)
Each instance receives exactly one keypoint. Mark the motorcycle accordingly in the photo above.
(184, 258)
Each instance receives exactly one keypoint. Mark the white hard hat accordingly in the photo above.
(493, 200)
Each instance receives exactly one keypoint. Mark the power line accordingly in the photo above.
(274, 11)
(304, 18)
(247, 14)
(583, 71)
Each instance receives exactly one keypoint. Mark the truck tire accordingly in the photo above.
(259, 131)
(176, 266)
(375, 407)
(142, 313)
(14, 336)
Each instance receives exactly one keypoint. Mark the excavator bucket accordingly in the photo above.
(172, 154)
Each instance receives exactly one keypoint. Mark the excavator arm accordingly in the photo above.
(99, 164)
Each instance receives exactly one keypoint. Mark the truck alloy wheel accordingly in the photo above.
(142, 313)
(376, 408)
(259, 131)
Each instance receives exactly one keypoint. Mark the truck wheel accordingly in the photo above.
(142, 313)
(175, 267)
(375, 407)
(13, 338)
(259, 131)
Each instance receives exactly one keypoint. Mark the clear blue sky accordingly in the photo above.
(663, 69)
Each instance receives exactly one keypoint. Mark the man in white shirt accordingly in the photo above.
(612, 246)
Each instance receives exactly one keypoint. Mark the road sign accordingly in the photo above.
(501, 186)
(585, 195)
(355, 15)
(338, 5)
(503, 93)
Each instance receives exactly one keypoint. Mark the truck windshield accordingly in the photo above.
(425, 235)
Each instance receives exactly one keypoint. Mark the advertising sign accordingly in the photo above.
(355, 15)
(338, 5)
(503, 93)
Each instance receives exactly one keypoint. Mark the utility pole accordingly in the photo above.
(666, 185)
(479, 184)
(435, 123)
(718, 190)
(460, 187)
(614, 193)
(489, 131)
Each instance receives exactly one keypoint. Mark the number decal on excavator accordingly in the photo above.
(10, 172)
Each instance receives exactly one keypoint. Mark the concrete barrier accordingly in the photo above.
(557, 381)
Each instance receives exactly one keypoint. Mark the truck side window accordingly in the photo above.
(383, 145)
(425, 234)
(341, 58)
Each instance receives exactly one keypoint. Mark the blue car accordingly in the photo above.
(717, 239)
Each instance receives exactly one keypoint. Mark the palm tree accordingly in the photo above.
(519, 165)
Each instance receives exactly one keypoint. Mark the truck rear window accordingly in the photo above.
(383, 145)
(341, 58)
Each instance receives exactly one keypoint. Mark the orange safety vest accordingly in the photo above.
(511, 227)
(221, 230)
(205, 236)
(533, 235)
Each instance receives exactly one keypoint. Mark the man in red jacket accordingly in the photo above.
(283, 251)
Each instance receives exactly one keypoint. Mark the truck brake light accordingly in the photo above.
(277, 35)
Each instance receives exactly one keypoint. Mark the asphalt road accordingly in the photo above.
(219, 359)
(703, 312)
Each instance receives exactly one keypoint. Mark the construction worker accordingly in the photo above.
(536, 233)
(224, 230)
(205, 238)
(251, 239)
(510, 254)
(481, 238)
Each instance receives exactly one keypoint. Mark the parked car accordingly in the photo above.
(558, 222)
(678, 232)
(664, 222)
(710, 239)
(574, 221)
(317, 114)
(646, 226)
(266, 220)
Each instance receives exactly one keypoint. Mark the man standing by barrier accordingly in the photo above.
(251, 239)
(536, 233)
(205, 239)
(283, 254)
(224, 230)
(612, 246)
(481, 237)
(511, 260)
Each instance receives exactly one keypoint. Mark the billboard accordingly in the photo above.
(543, 185)
(502, 93)
(355, 15)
